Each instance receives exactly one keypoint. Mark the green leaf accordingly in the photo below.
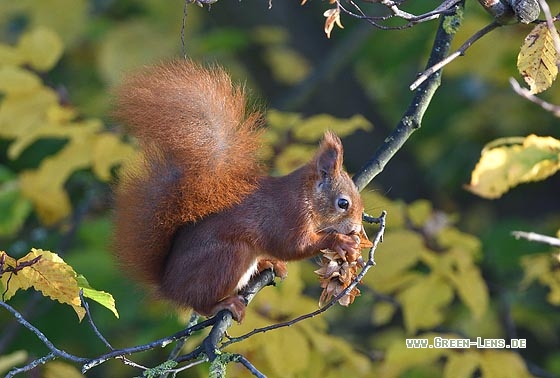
(14, 208)
(103, 298)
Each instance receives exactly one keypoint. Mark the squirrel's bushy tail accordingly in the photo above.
(198, 156)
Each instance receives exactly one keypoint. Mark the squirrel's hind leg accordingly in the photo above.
(235, 304)
(278, 267)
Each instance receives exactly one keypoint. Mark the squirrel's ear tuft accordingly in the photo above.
(329, 156)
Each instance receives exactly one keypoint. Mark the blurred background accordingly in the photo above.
(280, 51)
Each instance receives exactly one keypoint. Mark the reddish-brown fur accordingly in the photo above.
(195, 214)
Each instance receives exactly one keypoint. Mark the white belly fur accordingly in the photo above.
(247, 275)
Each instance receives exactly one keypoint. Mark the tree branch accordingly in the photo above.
(446, 7)
(412, 118)
(525, 93)
(55, 352)
(460, 52)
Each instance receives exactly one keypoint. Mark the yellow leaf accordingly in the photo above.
(69, 20)
(119, 53)
(45, 185)
(419, 212)
(22, 113)
(329, 352)
(53, 277)
(461, 365)
(49, 275)
(9, 56)
(401, 251)
(8, 361)
(374, 202)
(538, 58)
(17, 80)
(294, 156)
(399, 358)
(383, 313)
(472, 289)
(501, 168)
(7, 290)
(534, 266)
(59, 369)
(287, 65)
(49, 198)
(313, 128)
(502, 364)
(543, 267)
(55, 125)
(41, 48)
(423, 302)
(282, 121)
(293, 348)
(457, 265)
(108, 150)
(58, 115)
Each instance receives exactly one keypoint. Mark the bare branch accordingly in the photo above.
(446, 7)
(532, 236)
(460, 52)
(55, 352)
(245, 362)
(90, 363)
(553, 32)
(524, 92)
(32, 365)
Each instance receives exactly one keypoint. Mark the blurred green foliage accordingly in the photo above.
(501, 288)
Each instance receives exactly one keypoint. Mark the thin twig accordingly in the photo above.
(32, 365)
(245, 362)
(183, 24)
(85, 305)
(460, 52)
(180, 343)
(141, 348)
(551, 28)
(524, 92)
(532, 236)
(55, 352)
(444, 8)
(99, 335)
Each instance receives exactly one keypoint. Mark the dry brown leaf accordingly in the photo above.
(337, 273)
(333, 17)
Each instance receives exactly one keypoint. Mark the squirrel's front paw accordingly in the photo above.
(278, 267)
(347, 246)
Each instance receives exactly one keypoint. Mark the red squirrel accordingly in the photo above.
(195, 216)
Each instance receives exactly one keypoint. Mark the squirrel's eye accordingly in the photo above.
(343, 203)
